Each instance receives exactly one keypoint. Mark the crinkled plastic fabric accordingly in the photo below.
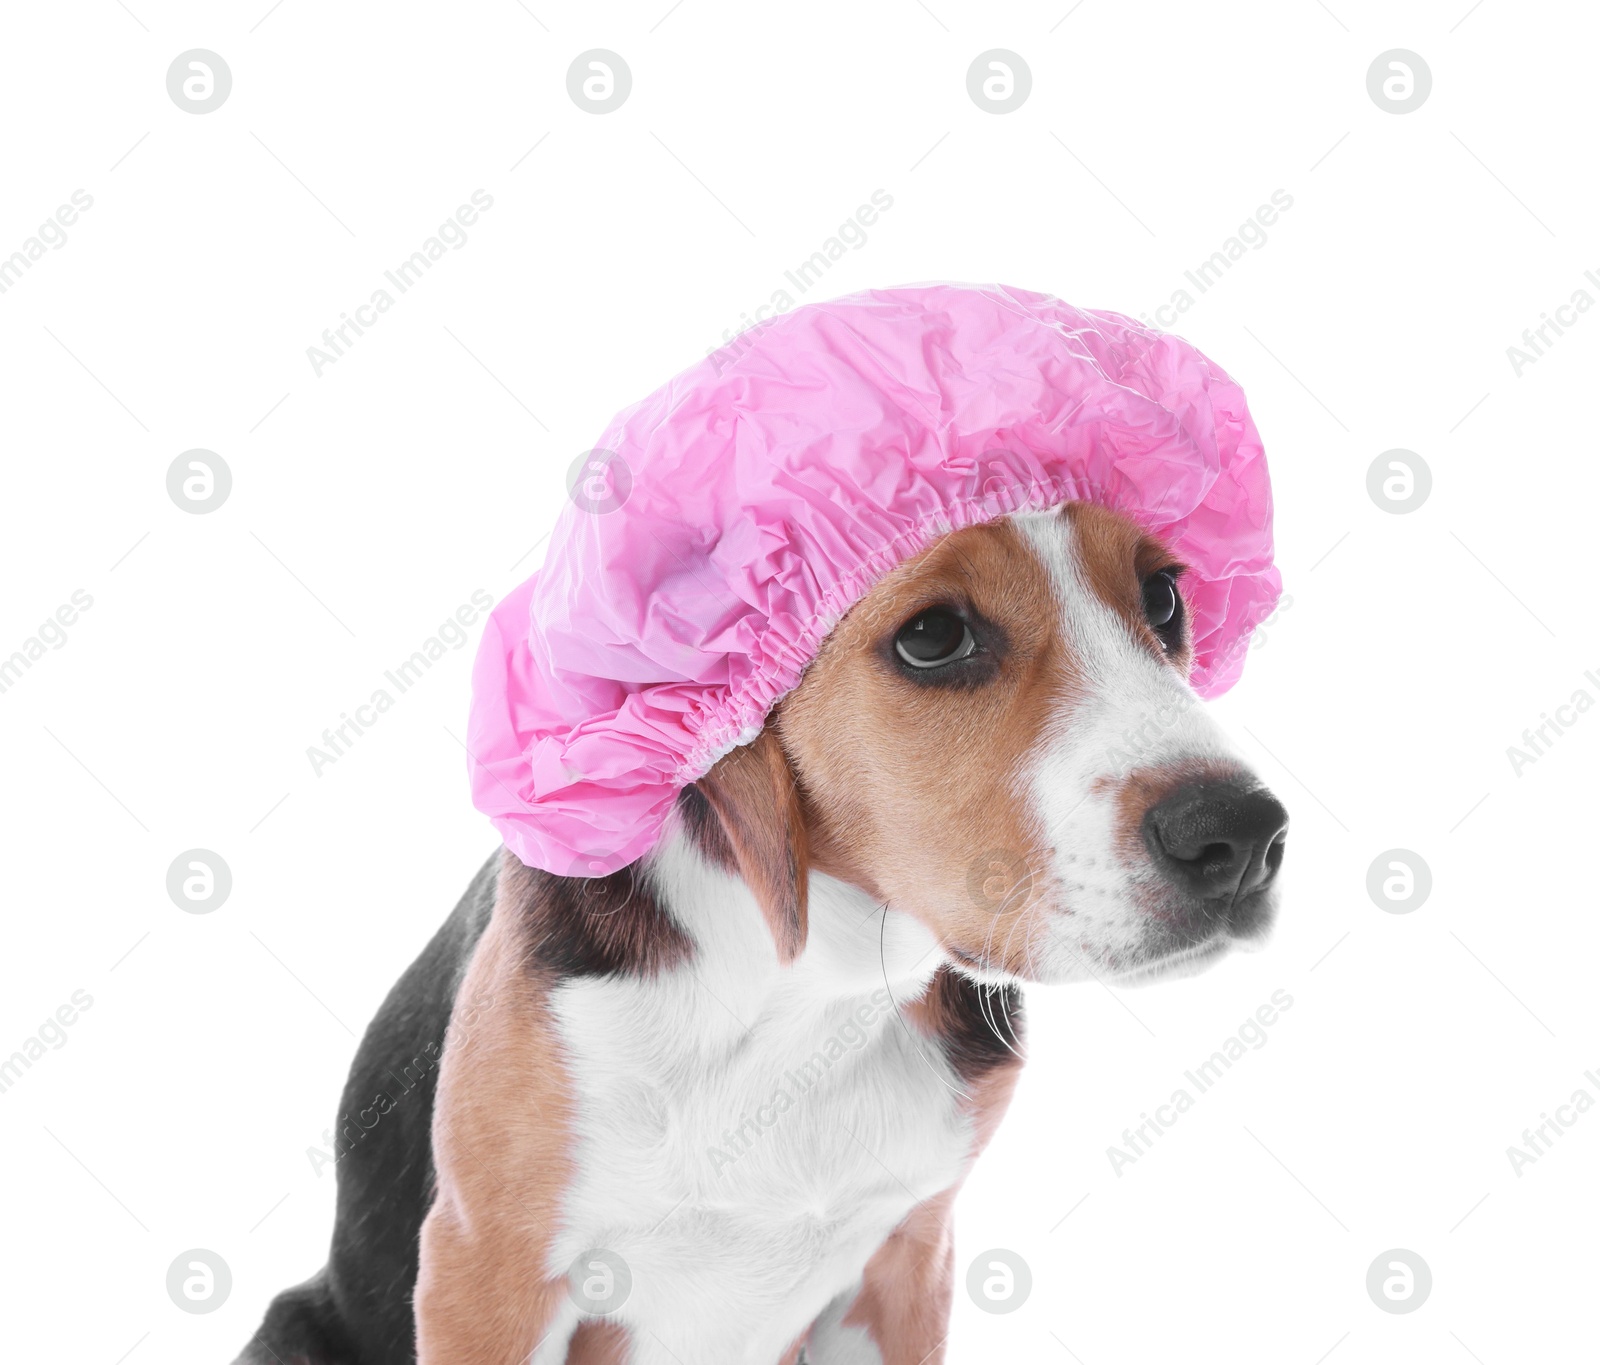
(756, 497)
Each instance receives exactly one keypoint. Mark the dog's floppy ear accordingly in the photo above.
(753, 794)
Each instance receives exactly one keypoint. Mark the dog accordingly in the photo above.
(717, 1106)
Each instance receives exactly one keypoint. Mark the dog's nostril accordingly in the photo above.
(1217, 840)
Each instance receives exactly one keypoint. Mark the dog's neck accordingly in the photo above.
(854, 945)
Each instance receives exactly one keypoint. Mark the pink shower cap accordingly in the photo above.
(728, 521)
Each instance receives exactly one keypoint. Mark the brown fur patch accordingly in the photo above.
(907, 1287)
(1107, 544)
(597, 1342)
(762, 831)
(501, 1144)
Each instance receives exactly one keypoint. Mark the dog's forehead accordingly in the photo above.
(1098, 562)
(1031, 569)
(1090, 548)
(984, 567)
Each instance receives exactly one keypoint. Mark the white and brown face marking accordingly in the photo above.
(1044, 792)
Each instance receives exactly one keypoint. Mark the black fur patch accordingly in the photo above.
(977, 1026)
(593, 926)
(357, 1311)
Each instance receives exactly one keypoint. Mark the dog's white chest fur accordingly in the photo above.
(747, 1136)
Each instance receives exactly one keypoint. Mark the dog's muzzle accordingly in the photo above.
(1219, 845)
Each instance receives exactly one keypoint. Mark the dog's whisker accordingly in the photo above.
(910, 1034)
(988, 1007)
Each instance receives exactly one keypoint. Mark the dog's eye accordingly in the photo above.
(1160, 599)
(934, 638)
(1163, 608)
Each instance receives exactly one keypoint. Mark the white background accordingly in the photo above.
(370, 502)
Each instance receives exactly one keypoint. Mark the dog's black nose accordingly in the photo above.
(1219, 840)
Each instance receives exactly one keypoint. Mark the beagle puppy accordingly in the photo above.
(717, 1107)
